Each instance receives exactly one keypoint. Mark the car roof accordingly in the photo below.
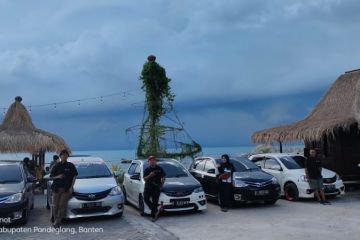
(276, 154)
(231, 158)
(158, 160)
(85, 159)
(13, 162)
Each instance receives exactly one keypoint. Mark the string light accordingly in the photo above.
(55, 105)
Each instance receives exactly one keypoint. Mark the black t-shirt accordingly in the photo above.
(154, 181)
(66, 168)
(313, 166)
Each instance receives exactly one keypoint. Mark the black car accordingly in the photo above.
(16, 192)
(250, 183)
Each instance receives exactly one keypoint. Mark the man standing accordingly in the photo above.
(154, 177)
(313, 170)
(64, 174)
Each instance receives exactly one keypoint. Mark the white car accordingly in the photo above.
(290, 172)
(181, 191)
(96, 192)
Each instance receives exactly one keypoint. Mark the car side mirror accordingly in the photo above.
(212, 171)
(31, 179)
(136, 176)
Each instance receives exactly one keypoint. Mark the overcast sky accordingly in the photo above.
(236, 66)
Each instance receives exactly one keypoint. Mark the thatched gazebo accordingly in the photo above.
(332, 127)
(18, 134)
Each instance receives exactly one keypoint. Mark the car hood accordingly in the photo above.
(10, 188)
(326, 173)
(94, 185)
(253, 176)
(180, 183)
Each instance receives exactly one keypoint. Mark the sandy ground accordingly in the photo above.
(305, 219)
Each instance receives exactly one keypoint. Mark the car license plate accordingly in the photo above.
(261, 192)
(329, 187)
(91, 205)
(180, 202)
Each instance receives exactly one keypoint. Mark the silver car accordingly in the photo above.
(96, 192)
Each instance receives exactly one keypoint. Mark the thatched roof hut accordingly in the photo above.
(338, 109)
(18, 133)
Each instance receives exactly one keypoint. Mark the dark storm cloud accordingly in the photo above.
(216, 52)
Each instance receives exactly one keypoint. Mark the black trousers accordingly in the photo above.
(151, 198)
(224, 194)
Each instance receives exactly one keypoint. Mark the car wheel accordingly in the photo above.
(32, 205)
(125, 197)
(141, 205)
(119, 214)
(291, 192)
(271, 202)
(25, 216)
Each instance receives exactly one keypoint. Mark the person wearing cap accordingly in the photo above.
(64, 175)
(154, 177)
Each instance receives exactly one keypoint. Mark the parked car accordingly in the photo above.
(16, 192)
(289, 169)
(96, 191)
(250, 183)
(180, 192)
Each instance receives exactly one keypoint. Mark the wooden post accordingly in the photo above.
(281, 147)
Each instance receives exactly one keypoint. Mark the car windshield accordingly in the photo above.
(293, 162)
(92, 170)
(243, 164)
(10, 174)
(171, 169)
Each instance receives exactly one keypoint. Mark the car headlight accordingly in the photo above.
(274, 181)
(17, 197)
(303, 178)
(238, 183)
(338, 178)
(116, 191)
(199, 189)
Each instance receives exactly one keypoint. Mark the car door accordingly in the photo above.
(137, 184)
(128, 182)
(209, 178)
(198, 170)
(273, 167)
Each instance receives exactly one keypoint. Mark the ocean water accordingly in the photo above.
(116, 156)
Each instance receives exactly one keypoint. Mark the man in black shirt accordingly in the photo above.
(63, 175)
(313, 169)
(154, 177)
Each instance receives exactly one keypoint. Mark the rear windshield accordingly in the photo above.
(293, 162)
(171, 169)
(10, 174)
(92, 170)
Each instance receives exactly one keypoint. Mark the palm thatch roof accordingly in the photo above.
(338, 109)
(18, 133)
